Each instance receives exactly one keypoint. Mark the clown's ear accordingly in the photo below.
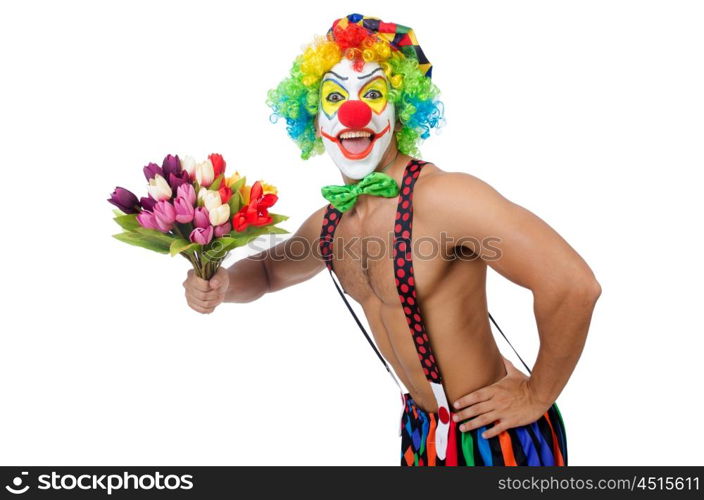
(398, 126)
(315, 127)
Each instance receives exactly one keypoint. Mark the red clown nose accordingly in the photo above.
(355, 114)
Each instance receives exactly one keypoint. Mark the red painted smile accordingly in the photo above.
(356, 144)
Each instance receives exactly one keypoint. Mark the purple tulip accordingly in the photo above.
(151, 170)
(125, 200)
(222, 229)
(171, 165)
(187, 192)
(177, 180)
(201, 235)
(201, 218)
(165, 215)
(184, 210)
(147, 203)
(147, 220)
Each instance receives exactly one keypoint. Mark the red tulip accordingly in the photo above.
(225, 193)
(255, 213)
(218, 163)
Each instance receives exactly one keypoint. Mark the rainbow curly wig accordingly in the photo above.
(360, 39)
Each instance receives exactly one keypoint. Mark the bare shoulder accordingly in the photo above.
(309, 233)
(442, 188)
(310, 229)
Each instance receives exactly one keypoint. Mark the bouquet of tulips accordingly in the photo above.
(194, 210)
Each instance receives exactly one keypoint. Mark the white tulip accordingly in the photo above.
(158, 188)
(189, 165)
(205, 174)
(219, 215)
(210, 199)
(201, 193)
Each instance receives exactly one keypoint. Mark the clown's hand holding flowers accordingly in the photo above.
(193, 210)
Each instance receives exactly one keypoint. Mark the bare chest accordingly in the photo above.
(363, 253)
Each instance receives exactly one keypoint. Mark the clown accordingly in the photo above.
(356, 118)
(363, 94)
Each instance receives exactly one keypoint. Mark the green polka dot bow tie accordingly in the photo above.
(375, 184)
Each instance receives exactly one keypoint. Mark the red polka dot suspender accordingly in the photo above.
(327, 234)
(406, 287)
(403, 270)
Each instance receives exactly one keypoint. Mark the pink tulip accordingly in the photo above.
(202, 236)
(201, 218)
(147, 220)
(222, 229)
(184, 210)
(187, 192)
(165, 215)
(164, 228)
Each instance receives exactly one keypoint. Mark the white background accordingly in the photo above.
(590, 114)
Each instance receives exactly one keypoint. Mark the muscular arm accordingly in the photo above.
(526, 250)
(290, 262)
(285, 264)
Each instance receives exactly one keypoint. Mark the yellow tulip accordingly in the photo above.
(244, 191)
(269, 188)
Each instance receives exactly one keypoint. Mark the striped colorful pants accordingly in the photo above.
(542, 442)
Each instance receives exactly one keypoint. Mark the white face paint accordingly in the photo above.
(356, 119)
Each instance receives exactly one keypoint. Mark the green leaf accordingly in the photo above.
(216, 183)
(241, 239)
(155, 235)
(276, 230)
(276, 218)
(127, 221)
(117, 211)
(219, 247)
(225, 241)
(237, 185)
(141, 241)
(270, 228)
(180, 245)
(253, 232)
(235, 203)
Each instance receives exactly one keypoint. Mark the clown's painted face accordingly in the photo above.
(356, 119)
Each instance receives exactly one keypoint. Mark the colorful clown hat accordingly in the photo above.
(401, 38)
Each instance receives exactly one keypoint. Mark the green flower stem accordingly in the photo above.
(195, 261)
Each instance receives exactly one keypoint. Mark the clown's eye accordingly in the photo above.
(335, 97)
(373, 94)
